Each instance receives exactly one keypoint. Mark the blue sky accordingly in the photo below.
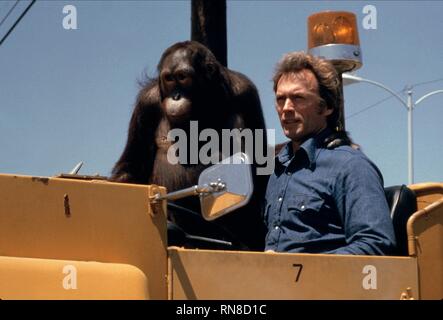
(67, 95)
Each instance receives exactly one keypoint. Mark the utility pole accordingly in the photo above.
(410, 107)
(208, 26)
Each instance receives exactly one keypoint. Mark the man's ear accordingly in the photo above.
(327, 111)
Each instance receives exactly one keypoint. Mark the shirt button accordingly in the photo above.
(288, 173)
(302, 207)
(280, 199)
(276, 227)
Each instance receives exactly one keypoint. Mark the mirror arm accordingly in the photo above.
(192, 191)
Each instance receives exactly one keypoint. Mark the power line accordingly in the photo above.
(389, 97)
(18, 20)
(371, 106)
(426, 82)
(9, 12)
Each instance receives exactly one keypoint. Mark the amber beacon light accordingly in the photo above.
(333, 35)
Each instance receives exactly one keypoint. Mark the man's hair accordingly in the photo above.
(326, 75)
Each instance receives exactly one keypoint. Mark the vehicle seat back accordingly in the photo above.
(402, 202)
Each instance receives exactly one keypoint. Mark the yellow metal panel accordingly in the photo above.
(425, 234)
(425, 231)
(25, 278)
(427, 193)
(66, 219)
(206, 274)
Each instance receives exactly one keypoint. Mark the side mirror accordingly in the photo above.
(235, 174)
(222, 188)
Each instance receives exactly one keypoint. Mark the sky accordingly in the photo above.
(67, 95)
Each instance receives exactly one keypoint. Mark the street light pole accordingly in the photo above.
(408, 104)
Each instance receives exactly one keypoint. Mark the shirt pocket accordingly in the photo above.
(305, 204)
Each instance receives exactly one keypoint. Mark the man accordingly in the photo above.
(321, 199)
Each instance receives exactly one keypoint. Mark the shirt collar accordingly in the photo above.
(310, 146)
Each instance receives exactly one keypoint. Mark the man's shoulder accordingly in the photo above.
(345, 153)
(350, 161)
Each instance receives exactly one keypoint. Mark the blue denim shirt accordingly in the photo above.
(327, 201)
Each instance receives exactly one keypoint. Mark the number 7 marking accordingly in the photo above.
(300, 268)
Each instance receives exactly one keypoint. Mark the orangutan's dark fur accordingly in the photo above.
(192, 85)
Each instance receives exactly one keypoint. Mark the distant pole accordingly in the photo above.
(410, 106)
(208, 26)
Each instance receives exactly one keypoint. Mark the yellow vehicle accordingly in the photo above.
(82, 237)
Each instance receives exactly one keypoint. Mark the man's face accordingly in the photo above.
(298, 106)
